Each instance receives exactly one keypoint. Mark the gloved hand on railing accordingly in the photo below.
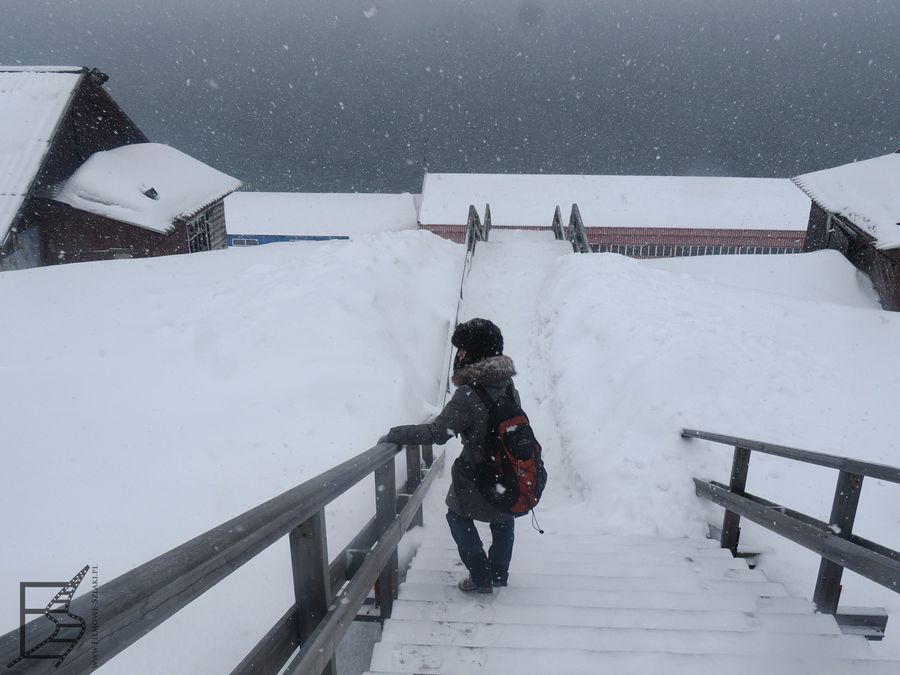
(396, 434)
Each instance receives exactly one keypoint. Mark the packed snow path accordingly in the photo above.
(580, 601)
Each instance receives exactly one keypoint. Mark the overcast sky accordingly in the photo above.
(339, 95)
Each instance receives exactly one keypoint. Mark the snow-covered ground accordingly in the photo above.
(172, 394)
(792, 350)
(162, 397)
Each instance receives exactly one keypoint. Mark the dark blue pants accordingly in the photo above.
(493, 567)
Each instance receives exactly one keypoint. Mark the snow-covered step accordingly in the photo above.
(672, 584)
(584, 605)
(586, 543)
(637, 554)
(561, 554)
(520, 636)
(599, 617)
(743, 602)
(711, 568)
(450, 660)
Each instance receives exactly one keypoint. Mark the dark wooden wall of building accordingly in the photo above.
(218, 237)
(815, 230)
(858, 246)
(69, 235)
(93, 123)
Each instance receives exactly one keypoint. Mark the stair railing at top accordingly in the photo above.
(834, 540)
(574, 233)
(476, 230)
(328, 596)
(558, 230)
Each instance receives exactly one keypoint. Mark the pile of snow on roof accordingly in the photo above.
(146, 184)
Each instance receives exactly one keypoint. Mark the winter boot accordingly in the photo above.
(469, 586)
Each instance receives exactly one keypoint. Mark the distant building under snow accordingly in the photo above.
(265, 217)
(640, 216)
(856, 210)
(80, 182)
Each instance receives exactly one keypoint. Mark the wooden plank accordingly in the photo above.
(880, 471)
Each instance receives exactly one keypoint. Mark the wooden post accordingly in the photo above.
(414, 478)
(843, 513)
(731, 525)
(385, 512)
(309, 560)
(428, 455)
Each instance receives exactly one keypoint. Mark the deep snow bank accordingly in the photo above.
(161, 397)
(792, 350)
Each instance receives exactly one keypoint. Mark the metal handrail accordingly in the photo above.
(557, 226)
(476, 230)
(138, 601)
(576, 232)
(834, 540)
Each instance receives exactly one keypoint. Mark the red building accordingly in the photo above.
(137, 201)
(639, 216)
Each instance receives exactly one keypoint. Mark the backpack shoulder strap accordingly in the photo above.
(484, 396)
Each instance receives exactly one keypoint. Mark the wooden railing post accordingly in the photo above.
(414, 478)
(309, 560)
(385, 512)
(843, 513)
(731, 525)
(428, 455)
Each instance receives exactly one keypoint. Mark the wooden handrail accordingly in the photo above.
(834, 540)
(862, 468)
(576, 232)
(139, 600)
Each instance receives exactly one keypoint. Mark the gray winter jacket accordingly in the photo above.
(465, 414)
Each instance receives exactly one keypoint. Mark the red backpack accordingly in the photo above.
(513, 477)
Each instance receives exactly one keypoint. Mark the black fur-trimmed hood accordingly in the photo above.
(492, 370)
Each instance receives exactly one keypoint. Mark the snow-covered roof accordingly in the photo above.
(867, 193)
(33, 101)
(307, 213)
(115, 184)
(617, 201)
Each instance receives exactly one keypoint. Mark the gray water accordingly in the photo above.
(341, 95)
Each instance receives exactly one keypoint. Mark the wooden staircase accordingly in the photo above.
(611, 604)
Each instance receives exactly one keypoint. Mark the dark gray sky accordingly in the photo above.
(340, 95)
